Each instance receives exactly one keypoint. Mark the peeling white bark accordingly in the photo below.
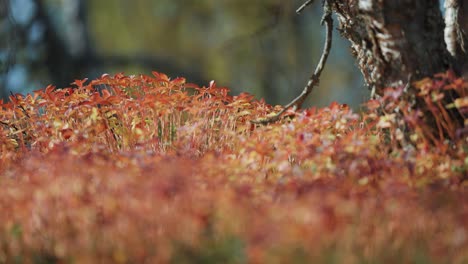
(452, 29)
(455, 33)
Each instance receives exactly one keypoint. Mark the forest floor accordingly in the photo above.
(145, 169)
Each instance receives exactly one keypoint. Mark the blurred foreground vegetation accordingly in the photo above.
(148, 169)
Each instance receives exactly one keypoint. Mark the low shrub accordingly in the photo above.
(134, 169)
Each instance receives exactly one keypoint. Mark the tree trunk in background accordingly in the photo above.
(7, 45)
(394, 40)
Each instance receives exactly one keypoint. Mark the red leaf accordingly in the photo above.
(79, 83)
(105, 93)
(67, 133)
(49, 89)
(373, 104)
(191, 85)
(178, 81)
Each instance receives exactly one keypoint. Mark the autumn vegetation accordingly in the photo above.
(148, 169)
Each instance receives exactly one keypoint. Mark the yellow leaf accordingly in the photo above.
(461, 102)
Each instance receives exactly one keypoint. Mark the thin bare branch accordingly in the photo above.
(314, 79)
(303, 6)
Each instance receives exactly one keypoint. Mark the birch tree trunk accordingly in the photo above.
(456, 30)
(396, 41)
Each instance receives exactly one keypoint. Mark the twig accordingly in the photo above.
(314, 79)
(303, 6)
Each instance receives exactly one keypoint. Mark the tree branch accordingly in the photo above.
(303, 6)
(314, 79)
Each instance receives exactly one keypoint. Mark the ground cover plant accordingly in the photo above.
(148, 169)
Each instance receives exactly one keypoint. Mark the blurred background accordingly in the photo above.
(262, 47)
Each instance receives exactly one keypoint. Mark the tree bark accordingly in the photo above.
(394, 40)
(456, 29)
(463, 22)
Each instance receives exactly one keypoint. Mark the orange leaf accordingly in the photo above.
(79, 83)
(191, 85)
(105, 93)
(49, 89)
(178, 81)
(373, 104)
